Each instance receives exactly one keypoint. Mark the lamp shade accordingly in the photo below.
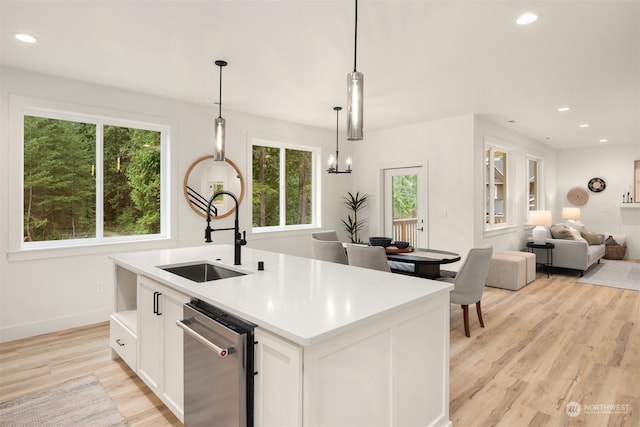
(540, 218)
(571, 213)
(355, 89)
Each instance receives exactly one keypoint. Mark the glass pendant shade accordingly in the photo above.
(218, 138)
(355, 90)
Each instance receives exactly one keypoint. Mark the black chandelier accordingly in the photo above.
(333, 161)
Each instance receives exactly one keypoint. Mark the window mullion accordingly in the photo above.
(283, 187)
(99, 180)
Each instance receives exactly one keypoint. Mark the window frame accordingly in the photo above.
(21, 106)
(539, 183)
(493, 145)
(315, 183)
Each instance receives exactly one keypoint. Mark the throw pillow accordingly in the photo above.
(611, 241)
(560, 232)
(591, 238)
(576, 234)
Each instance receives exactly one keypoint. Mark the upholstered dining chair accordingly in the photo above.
(327, 250)
(328, 235)
(468, 284)
(373, 257)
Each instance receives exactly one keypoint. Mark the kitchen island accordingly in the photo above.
(336, 345)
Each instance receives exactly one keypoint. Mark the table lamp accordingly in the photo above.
(571, 214)
(540, 218)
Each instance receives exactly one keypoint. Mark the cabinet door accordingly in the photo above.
(278, 384)
(150, 334)
(173, 394)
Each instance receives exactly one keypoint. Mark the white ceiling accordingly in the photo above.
(422, 60)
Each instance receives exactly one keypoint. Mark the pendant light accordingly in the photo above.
(219, 131)
(333, 161)
(355, 89)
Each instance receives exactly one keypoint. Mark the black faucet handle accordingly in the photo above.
(243, 241)
(207, 234)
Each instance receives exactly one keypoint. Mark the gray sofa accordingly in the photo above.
(572, 254)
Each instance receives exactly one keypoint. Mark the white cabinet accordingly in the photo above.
(390, 372)
(160, 361)
(278, 384)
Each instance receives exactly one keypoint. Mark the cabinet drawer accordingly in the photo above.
(123, 342)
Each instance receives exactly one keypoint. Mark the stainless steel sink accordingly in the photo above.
(202, 271)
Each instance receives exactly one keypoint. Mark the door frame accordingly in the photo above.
(423, 208)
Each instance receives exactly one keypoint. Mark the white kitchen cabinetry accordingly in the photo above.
(392, 372)
(160, 358)
(278, 383)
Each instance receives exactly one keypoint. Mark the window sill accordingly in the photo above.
(498, 231)
(270, 233)
(89, 249)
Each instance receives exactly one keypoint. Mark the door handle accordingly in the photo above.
(220, 351)
(156, 303)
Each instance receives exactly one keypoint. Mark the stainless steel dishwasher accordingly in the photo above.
(218, 367)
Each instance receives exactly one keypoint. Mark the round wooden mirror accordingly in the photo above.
(206, 176)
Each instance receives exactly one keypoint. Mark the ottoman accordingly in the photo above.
(531, 263)
(507, 272)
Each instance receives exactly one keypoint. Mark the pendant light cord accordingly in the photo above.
(355, 43)
(220, 103)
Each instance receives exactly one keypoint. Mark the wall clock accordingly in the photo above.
(577, 196)
(596, 185)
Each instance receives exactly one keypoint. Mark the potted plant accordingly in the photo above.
(353, 224)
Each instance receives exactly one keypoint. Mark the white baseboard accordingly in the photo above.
(46, 326)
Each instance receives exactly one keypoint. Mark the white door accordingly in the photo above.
(405, 205)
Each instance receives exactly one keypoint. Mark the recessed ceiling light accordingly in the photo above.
(561, 109)
(526, 18)
(25, 38)
(511, 121)
(604, 140)
(583, 125)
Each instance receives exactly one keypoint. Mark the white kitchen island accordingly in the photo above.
(336, 345)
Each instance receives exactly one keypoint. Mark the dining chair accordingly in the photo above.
(328, 235)
(373, 257)
(327, 250)
(468, 284)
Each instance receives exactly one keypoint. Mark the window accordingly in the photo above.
(496, 189)
(533, 184)
(283, 186)
(89, 179)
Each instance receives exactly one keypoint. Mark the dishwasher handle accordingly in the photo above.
(222, 352)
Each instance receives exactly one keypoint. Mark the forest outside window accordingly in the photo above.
(88, 180)
(283, 186)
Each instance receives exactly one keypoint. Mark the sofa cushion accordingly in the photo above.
(591, 238)
(561, 232)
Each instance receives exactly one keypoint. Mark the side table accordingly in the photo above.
(549, 247)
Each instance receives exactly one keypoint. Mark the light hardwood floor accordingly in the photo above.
(553, 342)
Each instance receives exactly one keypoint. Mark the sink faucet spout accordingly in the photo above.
(239, 240)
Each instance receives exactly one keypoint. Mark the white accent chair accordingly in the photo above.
(373, 257)
(328, 235)
(327, 250)
(468, 284)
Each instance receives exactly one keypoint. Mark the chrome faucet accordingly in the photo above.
(239, 240)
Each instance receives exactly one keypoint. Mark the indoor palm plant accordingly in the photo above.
(353, 224)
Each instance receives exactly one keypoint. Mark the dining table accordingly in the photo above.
(426, 262)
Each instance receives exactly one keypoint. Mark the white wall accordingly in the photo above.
(445, 147)
(519, 147)
(58, 289)
(453, 149)
(603, 212)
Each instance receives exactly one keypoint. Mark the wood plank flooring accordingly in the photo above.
(553, 342)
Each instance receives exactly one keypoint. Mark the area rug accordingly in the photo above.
(616, 274)
(80, 402)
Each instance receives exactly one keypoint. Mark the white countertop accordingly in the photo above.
(301, 299)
